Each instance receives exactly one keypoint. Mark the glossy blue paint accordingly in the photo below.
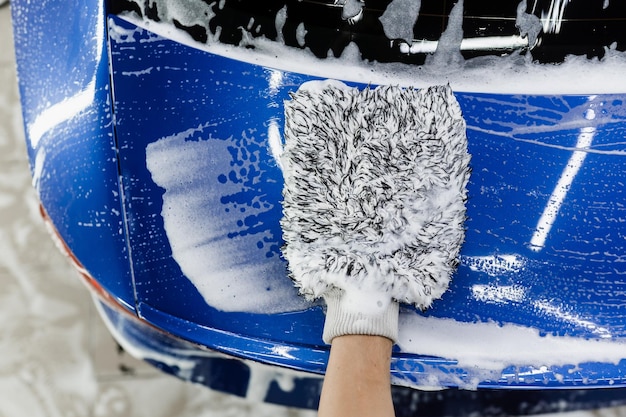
(186, 361)
(521, 150)
(546, 229)
(520, 146)
(63, 72)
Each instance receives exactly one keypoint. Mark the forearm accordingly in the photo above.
(357, 381)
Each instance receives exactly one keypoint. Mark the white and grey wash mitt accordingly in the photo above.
(374, 199)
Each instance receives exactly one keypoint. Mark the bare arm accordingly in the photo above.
(357, 381)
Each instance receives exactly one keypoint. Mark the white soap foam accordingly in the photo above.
(399, 19)
(447, 57)
(495, 265)
(484, 348)
(498, 294)
(232, 273)
(513, 74)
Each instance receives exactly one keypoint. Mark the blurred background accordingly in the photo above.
(56, 356)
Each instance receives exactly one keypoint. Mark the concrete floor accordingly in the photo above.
(56, 357)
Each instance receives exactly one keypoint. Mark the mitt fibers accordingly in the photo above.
(374, 190)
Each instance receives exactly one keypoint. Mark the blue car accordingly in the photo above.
(154, 131)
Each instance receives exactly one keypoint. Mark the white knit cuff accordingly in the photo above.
(342, 319)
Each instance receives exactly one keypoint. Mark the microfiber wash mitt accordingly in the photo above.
(374, 199)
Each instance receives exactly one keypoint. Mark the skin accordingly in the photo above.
(357, 381)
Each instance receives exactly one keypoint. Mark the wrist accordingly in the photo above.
(351, 315)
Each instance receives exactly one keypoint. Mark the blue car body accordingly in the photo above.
(119, 118)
